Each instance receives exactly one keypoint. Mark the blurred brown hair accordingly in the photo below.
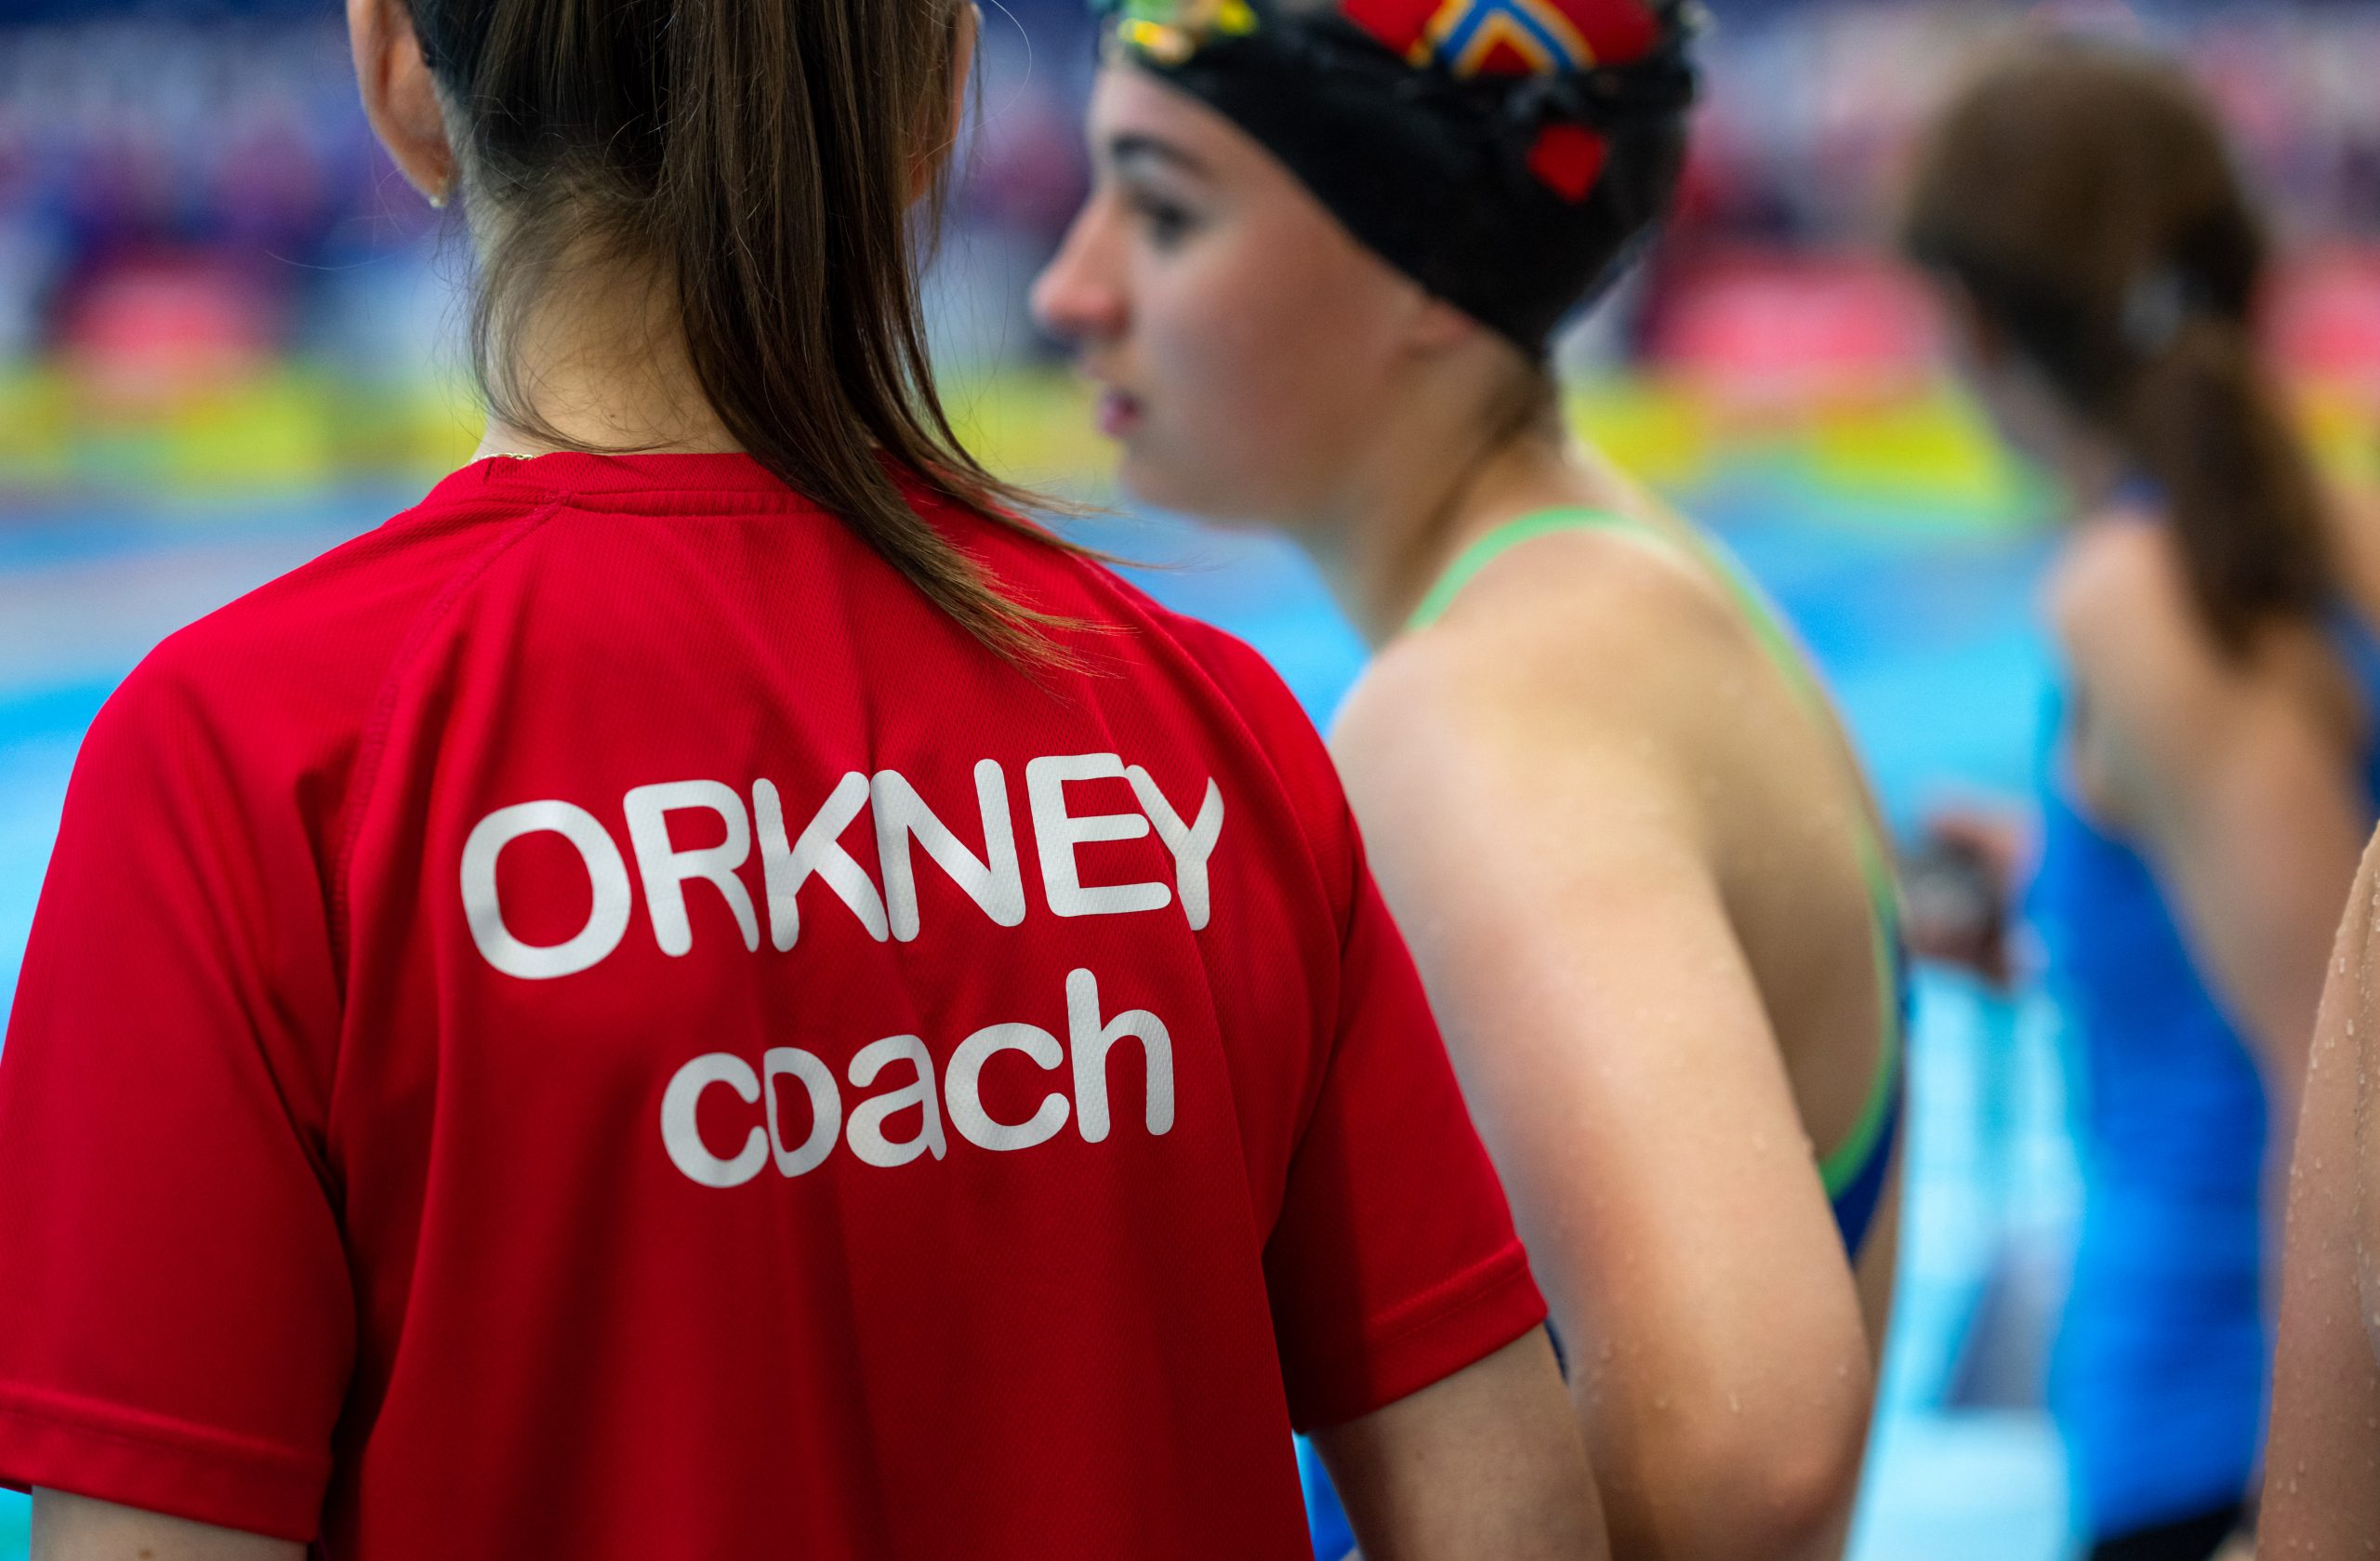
(2083, 196)
(757, 160)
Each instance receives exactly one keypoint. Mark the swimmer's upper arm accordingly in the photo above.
(2321, 1495)
(1487, 1461)
(78, 1528)
(2245, 807)
(1620, 1063)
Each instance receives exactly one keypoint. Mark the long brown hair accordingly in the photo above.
(2081, 195)
(757, 159)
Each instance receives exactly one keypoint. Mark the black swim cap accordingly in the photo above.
(1506, 155)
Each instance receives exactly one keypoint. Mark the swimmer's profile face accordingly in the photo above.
(1243, 342)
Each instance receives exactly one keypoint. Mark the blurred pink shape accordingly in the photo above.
(155, 329)
(1773, 330)
(2324, 320)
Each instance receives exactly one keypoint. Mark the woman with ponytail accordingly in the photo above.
(1324, 257)
(2216, 761)
(708, 991)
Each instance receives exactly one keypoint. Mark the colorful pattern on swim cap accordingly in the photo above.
(1509, 37)
(1473, 38)
(1171, 30)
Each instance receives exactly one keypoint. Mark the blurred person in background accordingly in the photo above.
(1323, 256)
(2215, 761)
(388, 1169)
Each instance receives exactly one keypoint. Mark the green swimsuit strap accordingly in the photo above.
(1502, 540)
(1840, 1167)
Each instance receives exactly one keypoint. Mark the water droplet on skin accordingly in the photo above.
(1661, 1401)
(1760, 1143)
(1734, 1405)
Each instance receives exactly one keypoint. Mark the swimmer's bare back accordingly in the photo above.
(1627, 852)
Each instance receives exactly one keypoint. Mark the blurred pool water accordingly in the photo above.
(1925, 634)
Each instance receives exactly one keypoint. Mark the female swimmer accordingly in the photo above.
(389, 1167)
(1316, 277)
(2215, 765)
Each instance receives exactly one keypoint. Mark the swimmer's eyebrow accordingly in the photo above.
(1139, 146)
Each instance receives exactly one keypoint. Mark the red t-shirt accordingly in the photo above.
(593, 1021)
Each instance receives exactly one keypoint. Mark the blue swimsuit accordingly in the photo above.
(2159, 1377)
(1859, 1172)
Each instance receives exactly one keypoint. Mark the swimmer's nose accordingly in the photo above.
(1077, 298)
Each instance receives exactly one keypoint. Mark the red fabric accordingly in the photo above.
(1397, 23)
(318, 1222)
(1616, 30)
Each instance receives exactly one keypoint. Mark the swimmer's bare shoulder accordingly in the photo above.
(2161, 692)
(1541, 716)
(1593, 640)
(1591, 678)
(1531, 780)
(2322, 1480)
(2149, 684)
(2116, 559)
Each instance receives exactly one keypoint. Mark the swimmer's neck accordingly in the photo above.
(1382, 554)
(602, 367)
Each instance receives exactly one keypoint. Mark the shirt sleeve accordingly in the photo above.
(176, 1312)
(1393, 1263)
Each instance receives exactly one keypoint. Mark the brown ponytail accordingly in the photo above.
(2080, 195)
(753, 160)
(2207, 427)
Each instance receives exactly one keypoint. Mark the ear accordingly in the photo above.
(400, 98)
(962, 70)
(1435, 326)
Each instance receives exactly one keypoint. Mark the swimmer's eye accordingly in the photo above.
(1167, 222)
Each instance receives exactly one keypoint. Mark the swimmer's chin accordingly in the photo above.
(1159, 485)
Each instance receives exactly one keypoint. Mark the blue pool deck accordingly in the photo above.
(1927, 636)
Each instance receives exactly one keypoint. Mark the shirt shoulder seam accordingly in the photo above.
(373, 747)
